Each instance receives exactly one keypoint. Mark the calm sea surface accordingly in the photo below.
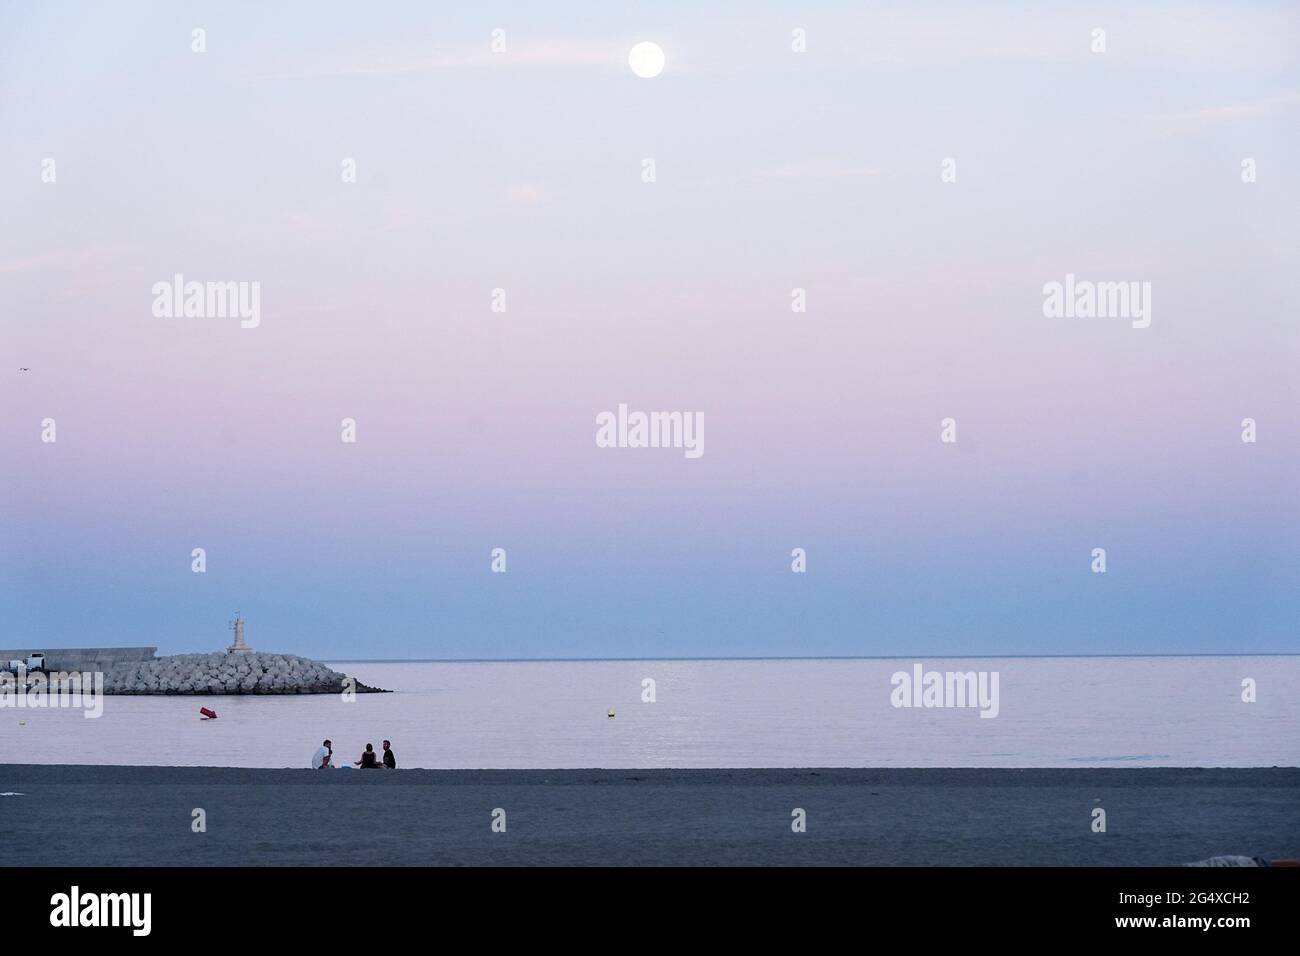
(1053, 712)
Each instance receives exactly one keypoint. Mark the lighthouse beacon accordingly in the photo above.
(239, 647)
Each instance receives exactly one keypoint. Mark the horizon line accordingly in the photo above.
(814, 657)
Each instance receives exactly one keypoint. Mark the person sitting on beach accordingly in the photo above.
(321, 758)
(390, 760)
(368, 759)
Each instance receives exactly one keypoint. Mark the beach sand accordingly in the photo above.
(102, 816)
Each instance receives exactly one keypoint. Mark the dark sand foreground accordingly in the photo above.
(102, 816)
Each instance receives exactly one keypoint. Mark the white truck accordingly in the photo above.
(35, 662)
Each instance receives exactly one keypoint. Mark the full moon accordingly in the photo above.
(646, 60)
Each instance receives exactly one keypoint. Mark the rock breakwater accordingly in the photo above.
(222, 673)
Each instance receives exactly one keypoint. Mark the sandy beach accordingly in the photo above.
(113, 816)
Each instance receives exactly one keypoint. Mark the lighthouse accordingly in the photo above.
(239, 647)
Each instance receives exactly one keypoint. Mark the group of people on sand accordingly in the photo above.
(323, 759)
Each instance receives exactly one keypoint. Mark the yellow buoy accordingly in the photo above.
(611, 712)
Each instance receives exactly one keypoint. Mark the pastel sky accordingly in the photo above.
(775, 170)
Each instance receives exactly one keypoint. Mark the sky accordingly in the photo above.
(774, 170)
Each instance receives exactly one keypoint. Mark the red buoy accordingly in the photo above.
(208, 714)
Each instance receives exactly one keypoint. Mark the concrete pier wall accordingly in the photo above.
(82, 658)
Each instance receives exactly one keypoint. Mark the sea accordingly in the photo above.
(1229, 711)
